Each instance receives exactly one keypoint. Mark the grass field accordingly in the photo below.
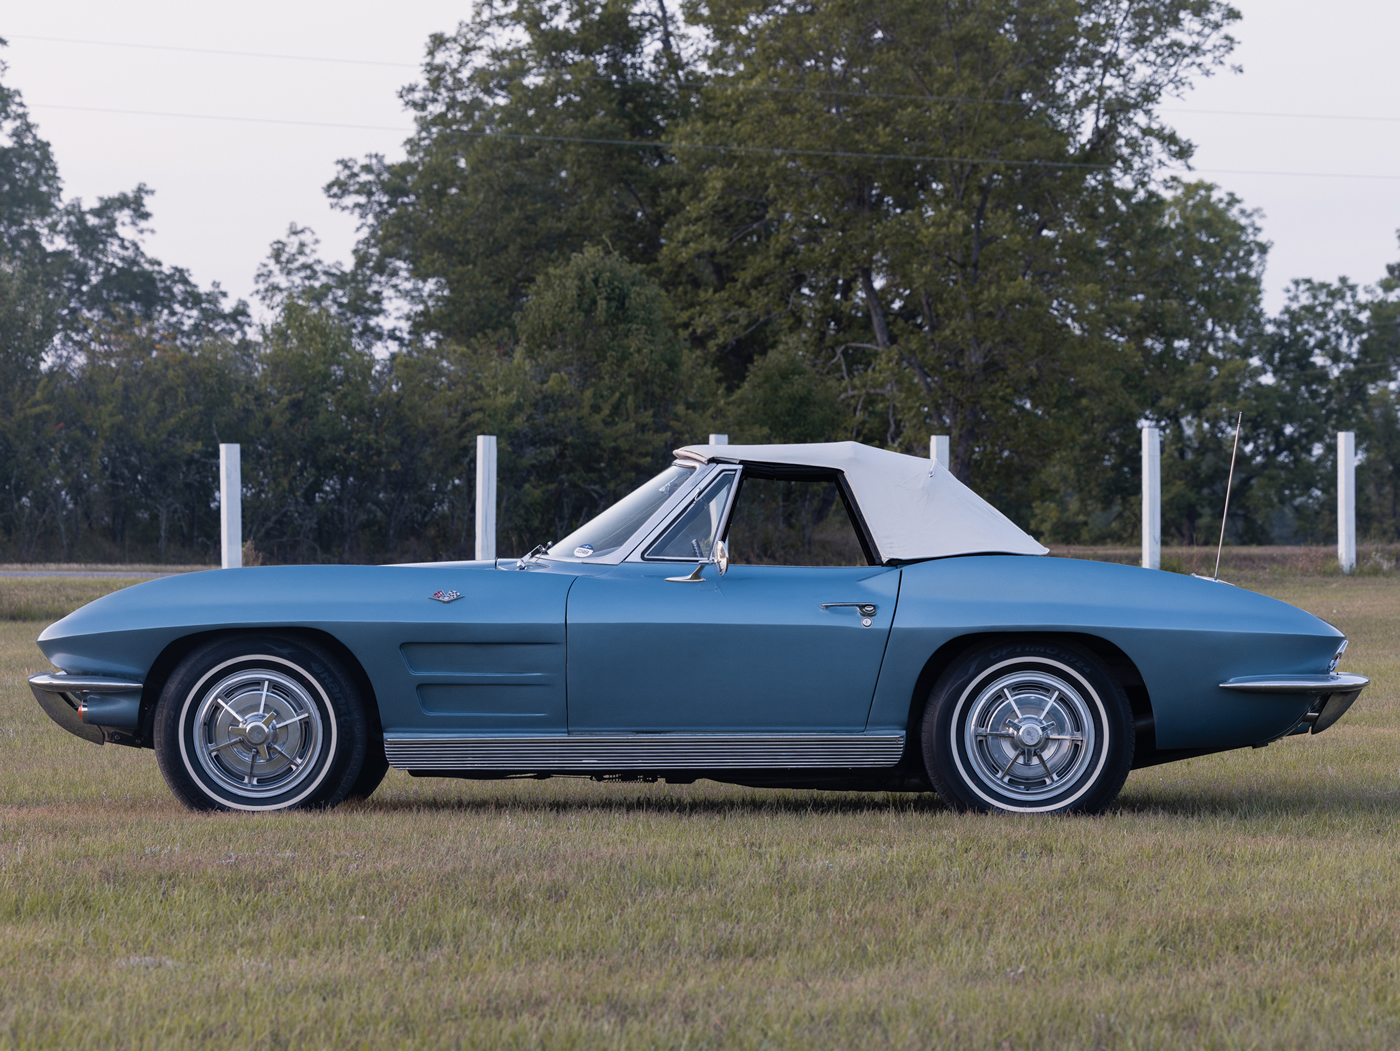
(1245, 900)
(43, 599)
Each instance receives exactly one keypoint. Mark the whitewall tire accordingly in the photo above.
(261, 723)
(1030, 728)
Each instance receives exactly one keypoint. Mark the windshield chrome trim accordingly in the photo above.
(621, 553)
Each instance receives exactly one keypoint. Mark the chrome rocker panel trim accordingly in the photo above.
(647, 751)
(69, 701)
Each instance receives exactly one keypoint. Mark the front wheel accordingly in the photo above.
(1028, 728)
(260, 723)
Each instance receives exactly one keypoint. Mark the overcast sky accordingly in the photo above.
(1317, 95)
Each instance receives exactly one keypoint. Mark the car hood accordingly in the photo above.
(137, 619)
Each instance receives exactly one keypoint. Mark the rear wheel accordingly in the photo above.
(260, 723)
(1028, 728)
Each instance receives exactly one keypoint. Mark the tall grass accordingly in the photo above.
(49, 598)
(1240, 900)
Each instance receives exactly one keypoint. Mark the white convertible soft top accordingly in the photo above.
(915, 508)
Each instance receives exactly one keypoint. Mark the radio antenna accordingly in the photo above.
(1228, 482)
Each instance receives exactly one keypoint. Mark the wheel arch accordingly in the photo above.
(1119, 664)
(178, 649)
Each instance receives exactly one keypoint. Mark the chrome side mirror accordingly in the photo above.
(721, 559)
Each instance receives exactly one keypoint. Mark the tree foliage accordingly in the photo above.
(937, 233)
(620, 225)
(488, 197)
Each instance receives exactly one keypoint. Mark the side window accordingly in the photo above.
(694, 534)
(792, 522)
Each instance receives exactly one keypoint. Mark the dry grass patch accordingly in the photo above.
(1239, 900)
(49, 598)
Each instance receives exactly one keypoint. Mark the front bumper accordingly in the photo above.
(93, 707)
(1335, 692)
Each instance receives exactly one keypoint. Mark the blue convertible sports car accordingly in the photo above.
(831, 616)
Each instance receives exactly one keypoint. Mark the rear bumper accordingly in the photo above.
(93, 707)
(1334, 692)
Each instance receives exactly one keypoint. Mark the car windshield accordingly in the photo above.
(611, 529)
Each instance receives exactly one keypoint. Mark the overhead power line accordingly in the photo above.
(779, 151)
(1293, 116)
(713, 147)
(632, 143)
(720, 84)
(213, 51)
(213, 116)
(1298, 175)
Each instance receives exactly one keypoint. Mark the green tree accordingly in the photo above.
(490, 194)
(30, 195)
(313, 442)
(931, 218)
(614, 387)
(1327, 363)
(436, 400)
(1378, 430)
(785, 398)
(81, 302)
(134, 423)
(1169, 342)
(590, 398)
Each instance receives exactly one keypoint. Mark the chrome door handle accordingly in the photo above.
(866, 609)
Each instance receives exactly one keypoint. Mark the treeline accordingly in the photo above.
(618, 227)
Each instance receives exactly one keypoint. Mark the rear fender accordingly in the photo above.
(1171, 640)
(1118, 663)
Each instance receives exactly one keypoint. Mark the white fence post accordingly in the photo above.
(486, 496)
(1346, 500)
(719, 439)
(938, 450)
(1151, 498)
(230, 506)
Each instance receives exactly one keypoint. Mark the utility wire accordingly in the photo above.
(713, 147)
(212, 51)
(777, 150)
(1293, 116)
(211, 116)
(719, 84)
(1301, 175)
(633, 143)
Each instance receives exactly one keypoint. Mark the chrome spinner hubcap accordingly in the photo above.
(258, 732)
(1029, 734)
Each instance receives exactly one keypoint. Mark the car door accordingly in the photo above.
(776, 644)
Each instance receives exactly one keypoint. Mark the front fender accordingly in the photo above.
(377, 612)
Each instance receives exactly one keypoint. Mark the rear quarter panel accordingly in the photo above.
(1185, 635)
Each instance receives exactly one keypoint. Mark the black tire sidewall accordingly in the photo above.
(333, 691)
(372, 771)
(946, 712)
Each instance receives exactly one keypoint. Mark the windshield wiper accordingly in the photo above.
(533, 555)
